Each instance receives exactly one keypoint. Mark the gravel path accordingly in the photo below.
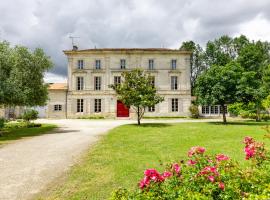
(28, 165)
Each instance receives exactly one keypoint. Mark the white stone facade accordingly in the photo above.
(99, 99)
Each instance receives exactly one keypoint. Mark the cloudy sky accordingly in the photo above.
(127, 23)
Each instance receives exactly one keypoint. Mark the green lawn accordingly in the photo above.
(12, 134)
(120, 157)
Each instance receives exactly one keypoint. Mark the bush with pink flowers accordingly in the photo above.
(204, 176)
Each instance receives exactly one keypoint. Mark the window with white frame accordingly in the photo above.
(117, 80)
(97, 105)
(151, 64)
(123, 64)
(174, 105)
(216, 109)
(98, 64)
(221, 109)
(80, 83)
(212, 108)
(57, 107)
(151, 109)
(203, 109)
(173, 64)
(79, 105)
(174, 82)
(80, 64)
(97, 80)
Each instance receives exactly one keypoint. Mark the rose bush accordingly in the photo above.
(204, 176)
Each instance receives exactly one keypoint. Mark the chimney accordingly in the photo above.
(74, 48)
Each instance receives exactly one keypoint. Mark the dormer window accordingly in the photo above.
(123, 64)
(80, 64)
(173, 64)
(98, 64)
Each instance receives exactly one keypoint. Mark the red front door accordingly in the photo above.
(122, 110)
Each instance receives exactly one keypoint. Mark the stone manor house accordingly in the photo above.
(91, 71)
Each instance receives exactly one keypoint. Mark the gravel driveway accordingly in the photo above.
(28, 165)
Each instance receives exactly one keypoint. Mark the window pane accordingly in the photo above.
(173, 64)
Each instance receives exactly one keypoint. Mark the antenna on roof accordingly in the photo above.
(74, 47)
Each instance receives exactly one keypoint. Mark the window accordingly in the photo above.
(151, 109)
(203, 109)
(173, 64)
(151, 64)
(174, 105)
(79, 83)
(174, 83)
(221, 110)
(80, 64)
(79, 105)
(123, 64)
(117, 80)
(98, 65)
(57, 107)
(152, 81)
(216, 109)
(97, 105)
(212, 109)
(97, 82)
(206, 109)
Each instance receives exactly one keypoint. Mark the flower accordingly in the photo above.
(211, 178)
(221, 185)
(176, 167)
(166, 174)
(196, 150)
(209, 170)
(221, 157)
(144, 182)
(191, 162)
(250, 151)
(248, 140)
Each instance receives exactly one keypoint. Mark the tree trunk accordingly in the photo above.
(138, 116)
(258, 117)
(223, 114)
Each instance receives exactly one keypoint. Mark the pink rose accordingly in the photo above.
(211, 178)
(166, 174)
(221, 157)
(221, 185)
(191, 162)
(196, 150)
(176, 168)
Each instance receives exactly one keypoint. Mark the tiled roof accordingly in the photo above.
(58, 86)
(127, 49)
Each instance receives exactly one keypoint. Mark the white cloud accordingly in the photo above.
(256, 29)
(54, 78)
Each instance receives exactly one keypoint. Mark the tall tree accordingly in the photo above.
(218, 85)
(254, 82)
(22, 76)
(136, 90)
(197, 64)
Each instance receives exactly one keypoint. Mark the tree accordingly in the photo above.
(21, 76)
(254, 83)
(218, 85)
(136, 90)
(197, 64)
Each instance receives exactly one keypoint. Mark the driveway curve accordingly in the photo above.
(28, 165)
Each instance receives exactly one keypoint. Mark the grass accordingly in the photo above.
(119, 158)
(13, 133)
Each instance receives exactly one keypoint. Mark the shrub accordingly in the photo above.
(30, 115)
(194, 111)
(2, 123)
(204, 176)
